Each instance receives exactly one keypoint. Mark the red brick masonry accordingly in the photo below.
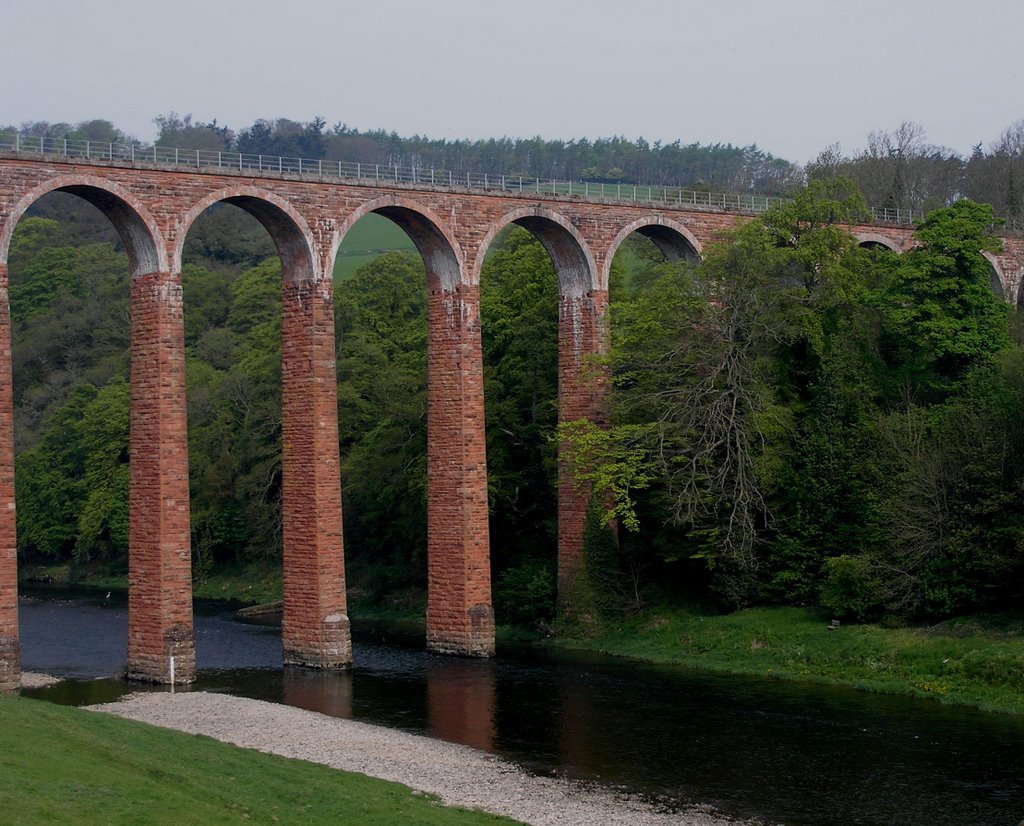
(160, 634)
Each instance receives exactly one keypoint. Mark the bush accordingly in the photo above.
(525, 593)
(851, 588)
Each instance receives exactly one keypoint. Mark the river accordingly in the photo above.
(754, 748)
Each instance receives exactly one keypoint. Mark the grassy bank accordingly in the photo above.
(65, 765)
(975, 662)
(247, 584)
(250, 584)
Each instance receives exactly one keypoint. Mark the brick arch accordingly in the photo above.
(441, 253)
(674, 240)
(573, 260)
(288, 229)
(998, 280)
(867, 239)
(134, 223)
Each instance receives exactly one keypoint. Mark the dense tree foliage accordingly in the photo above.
(381, 326)
(826, 424)
(900, 169)
(519, 316)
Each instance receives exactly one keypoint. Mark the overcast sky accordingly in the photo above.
(792, 76)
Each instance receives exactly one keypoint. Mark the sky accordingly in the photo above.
(792, 76)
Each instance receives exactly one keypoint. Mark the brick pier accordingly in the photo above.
(459, 615)
(10, 659)
(161, 642)
(315, 628)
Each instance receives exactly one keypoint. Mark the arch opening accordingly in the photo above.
(292, 244)
(381, 309)
(875, 241)
(438, 255)
(132, 223)
(136, 236)
(572, 267)
(69, 257)
(651, 257)
(648, 241)
(543, 319)
(520, 297)
(573, 261)
(232, 308)
(263, 413)
(441, 256)
(390, 374)
(672, 244)
(287, 229)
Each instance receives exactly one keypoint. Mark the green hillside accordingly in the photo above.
(368, 238)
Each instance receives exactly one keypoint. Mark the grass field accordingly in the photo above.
(368, 238)
(65, 765)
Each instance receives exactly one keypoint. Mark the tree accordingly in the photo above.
(381, 329)
(182, 133)
(235, 418)
(73, 486)
(519, 321)
(713, 361)
(941, 318)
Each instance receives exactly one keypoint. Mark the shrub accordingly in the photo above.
(851, 587)
(525, 593)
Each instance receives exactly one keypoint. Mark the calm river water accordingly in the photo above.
(782, 752)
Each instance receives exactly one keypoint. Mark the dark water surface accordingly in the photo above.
(784, 752)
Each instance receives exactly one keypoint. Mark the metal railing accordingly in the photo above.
(889, 215)
(380, 173)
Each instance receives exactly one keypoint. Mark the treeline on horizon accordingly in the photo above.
(796, 420)
(897, 169)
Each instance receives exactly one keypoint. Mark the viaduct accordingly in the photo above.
(152, 202)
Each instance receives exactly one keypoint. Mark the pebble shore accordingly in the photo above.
(458, 775)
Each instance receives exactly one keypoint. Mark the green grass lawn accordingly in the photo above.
(65, 765)
(368, 238)
(974, 662)
(250, 584)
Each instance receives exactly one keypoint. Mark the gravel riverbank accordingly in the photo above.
(459, 775)
(33, 679)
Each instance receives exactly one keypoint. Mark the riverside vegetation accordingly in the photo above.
(803, 429)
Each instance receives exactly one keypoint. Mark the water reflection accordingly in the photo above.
(461, 700)
(578, 751)
(324, 691)
(786, 752)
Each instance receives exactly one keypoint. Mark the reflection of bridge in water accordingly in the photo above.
(307, 207)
